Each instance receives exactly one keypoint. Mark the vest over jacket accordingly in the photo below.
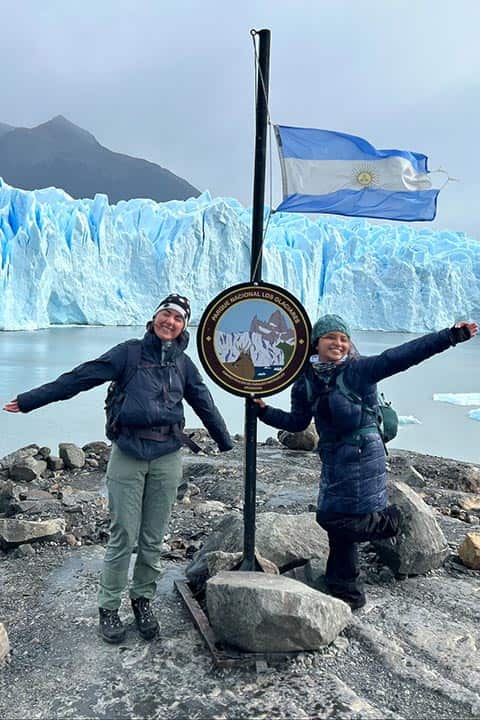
(353, 478)
(153, 397)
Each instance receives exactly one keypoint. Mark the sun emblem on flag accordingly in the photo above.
(365, 177)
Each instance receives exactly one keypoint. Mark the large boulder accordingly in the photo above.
(257, 612)
(20, 531)
(303, 440)
(420, 544)
(72, 456)
(27, 469)
(7, 461)
(286, 540)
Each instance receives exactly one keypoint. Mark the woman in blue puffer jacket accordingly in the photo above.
(145, 466)
(352, 503)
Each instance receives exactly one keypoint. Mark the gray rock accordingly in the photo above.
(4, 644)
(55, 463)
(71, 497)
(283, 539)
(472, 478)
(98, 447)
(469, 551)
(420, 545)
(412, 477)
(20, 531)
(304, 440)
(267, 613)
(72, 455)
(7, 495)
(25, 499)
(27, 469)
(22, 551)
(312, 573)
(218, 561)
(210, 507)
(44, 452)
(12, 458)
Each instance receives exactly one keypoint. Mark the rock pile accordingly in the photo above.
(42, 495)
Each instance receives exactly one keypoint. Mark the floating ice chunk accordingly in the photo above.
(408, 420)
(458, 398)
(474, 414)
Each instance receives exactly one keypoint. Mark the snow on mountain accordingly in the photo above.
(66, 261)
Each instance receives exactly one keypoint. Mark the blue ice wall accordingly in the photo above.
(66, 261)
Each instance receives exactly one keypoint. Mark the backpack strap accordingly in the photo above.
(346, 390)
(182, 367)
(132, 361)
(161, 434)
(372, 412)
(352, 395)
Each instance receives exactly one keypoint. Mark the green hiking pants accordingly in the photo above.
(141, 494)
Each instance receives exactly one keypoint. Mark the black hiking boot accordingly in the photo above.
(110, 626)
(147, 623)
(356, 600)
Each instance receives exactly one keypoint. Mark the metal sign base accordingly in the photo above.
(226, 656)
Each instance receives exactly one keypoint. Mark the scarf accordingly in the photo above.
(324, 370)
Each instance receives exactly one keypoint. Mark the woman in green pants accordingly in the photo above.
(145, 420)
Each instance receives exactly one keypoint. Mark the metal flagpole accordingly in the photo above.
(249, 561)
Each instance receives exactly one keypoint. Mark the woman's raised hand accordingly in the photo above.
(464, 330)
(12, 406)
(472, 326)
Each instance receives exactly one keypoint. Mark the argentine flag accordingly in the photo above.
(331, 172)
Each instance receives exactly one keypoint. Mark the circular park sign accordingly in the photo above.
(253, 339)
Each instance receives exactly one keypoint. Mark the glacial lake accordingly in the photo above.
(28, 359)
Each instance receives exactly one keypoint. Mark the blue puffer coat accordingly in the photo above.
(353, 479)
(153, 396)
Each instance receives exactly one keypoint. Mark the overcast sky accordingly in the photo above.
(172, 81)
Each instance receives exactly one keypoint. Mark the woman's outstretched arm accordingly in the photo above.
(401, 357)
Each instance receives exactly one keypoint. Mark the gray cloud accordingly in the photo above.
(174, 82)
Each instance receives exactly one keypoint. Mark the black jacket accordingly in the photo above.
(153, 397)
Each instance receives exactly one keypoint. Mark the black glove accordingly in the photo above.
(459, 334)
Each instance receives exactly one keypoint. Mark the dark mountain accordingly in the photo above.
(61, 154)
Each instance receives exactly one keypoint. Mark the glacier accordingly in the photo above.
(71, 262)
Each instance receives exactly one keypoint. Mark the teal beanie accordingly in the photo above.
(329, 323)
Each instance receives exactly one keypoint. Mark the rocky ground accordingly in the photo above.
(412, 652)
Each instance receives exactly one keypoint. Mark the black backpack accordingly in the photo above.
(116, 390)
(383, 414)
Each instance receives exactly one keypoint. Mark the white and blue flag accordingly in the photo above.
(331, 172)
